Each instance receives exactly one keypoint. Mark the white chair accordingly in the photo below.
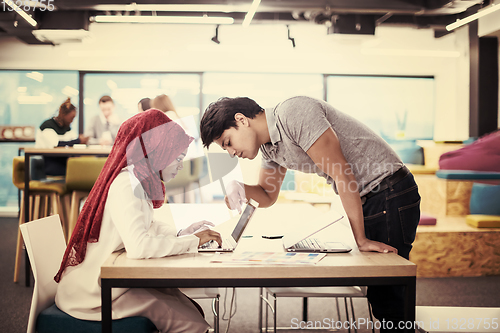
(343, 231)
(332, 292)
(206, 293)
(45, 243)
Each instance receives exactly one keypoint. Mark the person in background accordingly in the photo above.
(103, 127)
(118, 214)
(56, 132)
(144, 104)
(164, 103)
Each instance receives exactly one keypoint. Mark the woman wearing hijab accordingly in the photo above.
(118, 214)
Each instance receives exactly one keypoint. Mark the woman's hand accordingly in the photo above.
(208, 235)
(196, 227)
(373, 246)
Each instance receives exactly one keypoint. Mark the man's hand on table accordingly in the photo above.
(367, 245)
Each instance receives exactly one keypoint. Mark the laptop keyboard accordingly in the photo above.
(308, 243)
(226, 244)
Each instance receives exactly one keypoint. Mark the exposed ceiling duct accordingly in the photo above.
(338, 16)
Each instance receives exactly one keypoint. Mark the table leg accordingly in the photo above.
(27, 269)
(260, 309)
(106, 306)
(410, 303)
(304, 309)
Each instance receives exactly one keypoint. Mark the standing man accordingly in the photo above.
(378, 192)
(103, 127)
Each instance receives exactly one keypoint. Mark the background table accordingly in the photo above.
(60, 152)
(195, 270)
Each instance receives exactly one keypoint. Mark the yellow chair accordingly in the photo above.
(81, 174)
(41, 193)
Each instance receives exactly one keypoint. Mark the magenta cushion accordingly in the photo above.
(427, 220)
(481, 155)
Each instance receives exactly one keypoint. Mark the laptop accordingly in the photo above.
(229, 242)
(302, 240)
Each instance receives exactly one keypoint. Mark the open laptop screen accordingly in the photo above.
(244, 218)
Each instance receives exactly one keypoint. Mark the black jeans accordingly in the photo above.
(391, 217)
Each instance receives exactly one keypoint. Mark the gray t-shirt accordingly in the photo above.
(295, 124)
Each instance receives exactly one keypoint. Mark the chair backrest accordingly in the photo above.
(37, 170)
(44, 241)
(82, 172)
(18, 172)
(190, 173)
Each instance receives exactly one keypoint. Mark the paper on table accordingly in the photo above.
(268, 258)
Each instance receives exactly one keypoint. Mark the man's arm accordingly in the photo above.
(90, 132)
(327, 155)
(268, 188)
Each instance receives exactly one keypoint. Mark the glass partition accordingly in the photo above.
(127, 89)
(267, 89)
(27, 98)
(396, 108)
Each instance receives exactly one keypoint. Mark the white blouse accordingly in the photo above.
(127, 223)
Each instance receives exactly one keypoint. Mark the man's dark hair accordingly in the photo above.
(219, 116)
(105, 99)
(145, 103)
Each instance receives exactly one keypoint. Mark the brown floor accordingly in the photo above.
(15, 299)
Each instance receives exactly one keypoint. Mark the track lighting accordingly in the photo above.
(215, 38)
(488, 10)
(290, 38)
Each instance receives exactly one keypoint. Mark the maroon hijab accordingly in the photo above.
(149, 141)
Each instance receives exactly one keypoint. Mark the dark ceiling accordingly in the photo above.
(342, 16)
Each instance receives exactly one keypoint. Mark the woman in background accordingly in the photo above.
(144, 104)
(56, 132)
(118, 214)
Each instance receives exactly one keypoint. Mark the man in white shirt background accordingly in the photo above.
(103, 127)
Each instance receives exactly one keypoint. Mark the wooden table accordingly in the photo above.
(195, 270)
(60, 152)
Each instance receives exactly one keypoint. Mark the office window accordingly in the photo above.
(28, 98)
(127, 89)
(396, 108)
(267, 89)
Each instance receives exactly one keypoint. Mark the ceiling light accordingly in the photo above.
(468, 19)
(251, 13)
(43, 98)
(37, 76)
(69, 91)
(21, 12)
(215, 38)
(59, 36)
(163, 19)
(170, 8)
(411, 53)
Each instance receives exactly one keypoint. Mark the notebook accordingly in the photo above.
(302, 241)
(229, 242)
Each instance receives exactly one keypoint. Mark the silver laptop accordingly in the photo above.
(229, 242)
(303, 241)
